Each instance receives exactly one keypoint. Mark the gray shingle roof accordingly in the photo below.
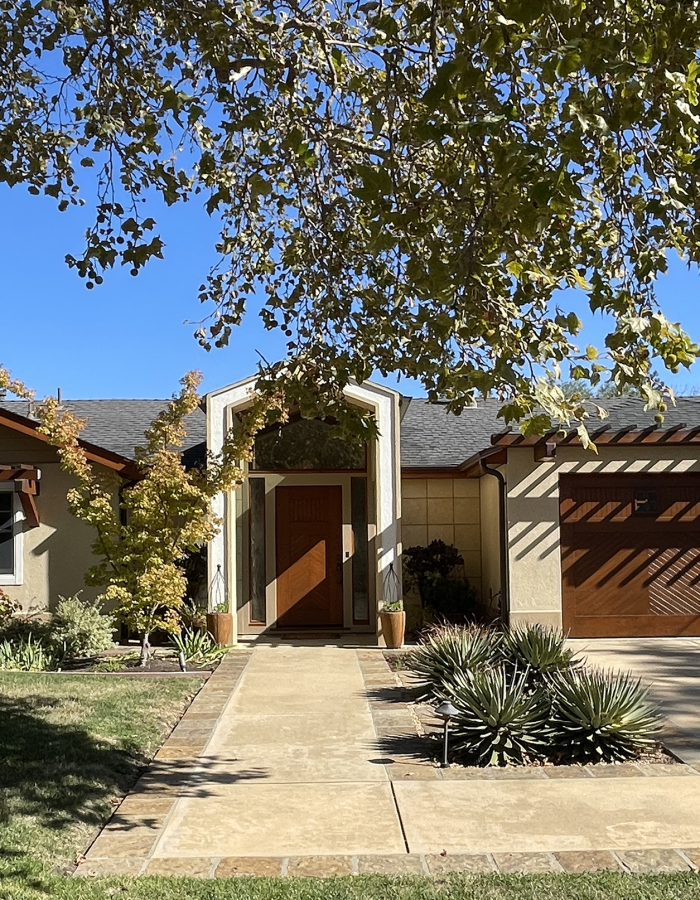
(430, 436)
(119, 425)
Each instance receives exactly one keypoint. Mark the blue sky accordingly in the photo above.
(129, 337)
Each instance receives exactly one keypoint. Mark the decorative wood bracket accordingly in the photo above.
(27, 483)
(545, 450)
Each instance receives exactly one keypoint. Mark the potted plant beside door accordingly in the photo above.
(220, 624)
(219, 619)
(393, 618)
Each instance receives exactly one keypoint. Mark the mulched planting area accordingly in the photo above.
(125, 661)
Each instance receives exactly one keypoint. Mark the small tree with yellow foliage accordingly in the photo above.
(146, 529)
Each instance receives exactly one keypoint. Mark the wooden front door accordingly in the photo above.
(630, 555)
(309, 526)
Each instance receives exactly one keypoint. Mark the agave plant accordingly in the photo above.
(501, 721)
(539, 648)
(601, 716)
(450, 649)
(198, 647)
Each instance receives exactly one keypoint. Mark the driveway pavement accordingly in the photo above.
(309, 761)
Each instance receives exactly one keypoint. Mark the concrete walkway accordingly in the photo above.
(308, 761)
(297, 741)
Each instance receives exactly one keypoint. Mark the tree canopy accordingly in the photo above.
(408, 185)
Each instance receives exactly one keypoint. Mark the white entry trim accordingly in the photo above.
(384, 402)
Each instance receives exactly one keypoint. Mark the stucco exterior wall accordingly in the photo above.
(533, 515)
(446, 509)
(58, 552)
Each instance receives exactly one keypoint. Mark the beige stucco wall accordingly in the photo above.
(57, 554)
(533, 515)
(445, 509)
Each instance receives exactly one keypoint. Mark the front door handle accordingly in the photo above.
(339, 565)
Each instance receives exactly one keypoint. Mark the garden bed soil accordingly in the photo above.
(396, 659)
(129, 663)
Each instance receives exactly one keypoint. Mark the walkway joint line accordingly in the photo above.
(398, 813)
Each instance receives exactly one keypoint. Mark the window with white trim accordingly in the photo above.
(10, 535)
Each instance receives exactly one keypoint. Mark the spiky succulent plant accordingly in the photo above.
(450, 649)
(501, 719)
(601, 716)
(539, 648)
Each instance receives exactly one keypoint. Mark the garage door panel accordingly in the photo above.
(633, 626)
(674, 581)
(631, 565)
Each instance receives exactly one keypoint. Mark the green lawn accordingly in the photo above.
(366, 887)
(69, 745)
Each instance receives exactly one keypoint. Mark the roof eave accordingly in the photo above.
(122, 465)
(471, 466)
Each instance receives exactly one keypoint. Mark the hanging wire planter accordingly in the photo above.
(391, 597)
(217, 592)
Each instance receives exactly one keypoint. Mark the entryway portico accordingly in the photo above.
(311, 541)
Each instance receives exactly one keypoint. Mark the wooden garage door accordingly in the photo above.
(630, 555)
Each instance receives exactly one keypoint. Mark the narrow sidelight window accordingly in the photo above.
(257, 550)
(360, 567)
(7, 533)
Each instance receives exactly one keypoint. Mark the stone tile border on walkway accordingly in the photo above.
(132, 832)
(405, 725)
(435, 865)
(192, 733)
(181, 770)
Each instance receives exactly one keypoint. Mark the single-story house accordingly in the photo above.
(604, 544)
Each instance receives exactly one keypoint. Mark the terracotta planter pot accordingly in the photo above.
(220, 626)
(393, 628)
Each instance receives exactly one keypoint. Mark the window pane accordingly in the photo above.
(6, 510)
(306, 444)
(360, 579)
(7, 548)
(257, 549)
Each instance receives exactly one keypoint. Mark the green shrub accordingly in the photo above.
(34, 625)
(198, 647)
(601, 716)
(539, 648)
(26, 654)
(80, 628)
(423, 565)
(451, 598)
(112, 664)
(450, 649)
(500, 720)
(8, 608)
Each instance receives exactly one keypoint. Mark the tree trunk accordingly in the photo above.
(145, 648)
